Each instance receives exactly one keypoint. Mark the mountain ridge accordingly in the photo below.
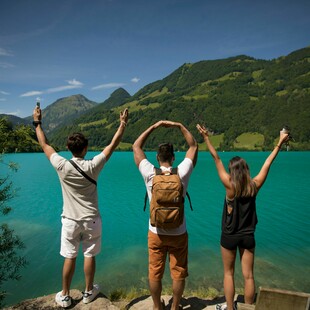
(231, 96)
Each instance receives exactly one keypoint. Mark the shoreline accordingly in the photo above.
(266, 298)
(142, 302)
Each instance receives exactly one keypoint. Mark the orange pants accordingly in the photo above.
(177, 248)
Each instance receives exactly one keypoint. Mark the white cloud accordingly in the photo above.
(108, 85)
(4, 52)
(4, 92)
(72, 85)
(135, 80)
(32, 93)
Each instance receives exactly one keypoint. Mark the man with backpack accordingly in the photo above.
(166, 189)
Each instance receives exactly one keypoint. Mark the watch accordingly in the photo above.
(36, 123)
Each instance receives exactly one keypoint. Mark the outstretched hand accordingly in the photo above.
(37, 115)
(165, 123)
(284, 137)
(203, 130)
(123, 116)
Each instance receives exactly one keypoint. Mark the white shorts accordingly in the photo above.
(75, 232)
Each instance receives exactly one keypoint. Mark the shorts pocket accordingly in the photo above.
(70, 228)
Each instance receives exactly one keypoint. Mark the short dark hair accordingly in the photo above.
(76, 143)
(165, 152)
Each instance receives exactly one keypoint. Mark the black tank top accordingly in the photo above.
(242, 219)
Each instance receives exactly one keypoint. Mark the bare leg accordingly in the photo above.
(67, 275)
(178, 289)
(155, 290)
(89, 272)
(247, 265)
(229, 257)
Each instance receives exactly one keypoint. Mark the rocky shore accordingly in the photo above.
(102, 302)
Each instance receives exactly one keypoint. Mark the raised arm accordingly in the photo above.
(137, 147)
(224, 176)
(108, 150)
(262, 175)
(37, 117)
(139, 154)
(190, 140)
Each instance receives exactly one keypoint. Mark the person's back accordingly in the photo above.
(80, 197)
(239, 217)
(81, 221)
(242, 218)
(166, 241)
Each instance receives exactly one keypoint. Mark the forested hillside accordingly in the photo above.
(17, 137)
(244, 101)
(233, 97)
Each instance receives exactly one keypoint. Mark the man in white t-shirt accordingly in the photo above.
(81, 221)
(174, 241)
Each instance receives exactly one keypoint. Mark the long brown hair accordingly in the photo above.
(240, 177)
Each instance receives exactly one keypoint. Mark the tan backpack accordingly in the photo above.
(167, 203)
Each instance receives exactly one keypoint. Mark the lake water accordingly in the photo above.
(282, 252)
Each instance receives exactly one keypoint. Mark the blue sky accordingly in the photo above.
(50, 49)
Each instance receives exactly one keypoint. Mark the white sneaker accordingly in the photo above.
(224, 306)
(91, 295)
(63, 301)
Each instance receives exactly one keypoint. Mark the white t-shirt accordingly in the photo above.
(185, 169)
(80, 198)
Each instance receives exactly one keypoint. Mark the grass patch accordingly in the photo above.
(281, 92)
(196, 97)
(122, 294)
(204, 293)
(229, 76)
(257, 74)
(157, 93)
(249, 141)
(216, 140)
(135, 106)
(252, 98)
(124, 146)
(95, 123)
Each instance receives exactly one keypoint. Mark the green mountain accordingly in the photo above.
(15, 120)
(117, 97)
(64, 111)
(244, 101)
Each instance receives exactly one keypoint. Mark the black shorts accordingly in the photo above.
(232, 242)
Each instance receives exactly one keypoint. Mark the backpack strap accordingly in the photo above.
(145, 201)
(157, 172)
(173, 171)
(82, 172)
(190, 202)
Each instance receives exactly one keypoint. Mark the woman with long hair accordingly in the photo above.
(239, 217)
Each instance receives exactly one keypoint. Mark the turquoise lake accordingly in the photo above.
(282, 235)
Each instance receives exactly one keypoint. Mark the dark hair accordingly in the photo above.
(76, 143)
(165, 152)
(240, 177)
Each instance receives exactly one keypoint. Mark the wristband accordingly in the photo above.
(278, 146)
(123, 122)
(36, 123)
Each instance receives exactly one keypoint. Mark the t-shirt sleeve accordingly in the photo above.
(146, 169)
(57, 161)
(185, 169)
(98, 161)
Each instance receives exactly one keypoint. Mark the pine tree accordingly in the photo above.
(10, 244)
